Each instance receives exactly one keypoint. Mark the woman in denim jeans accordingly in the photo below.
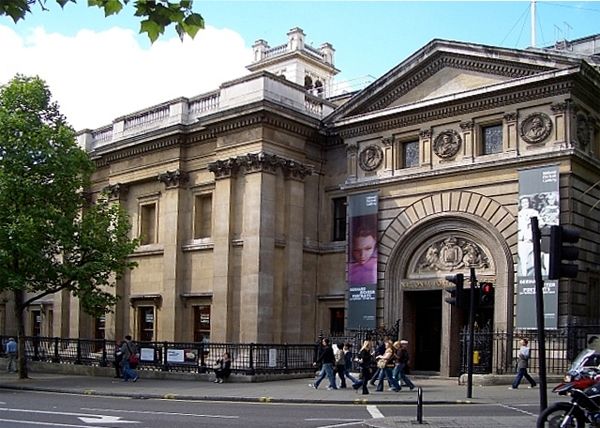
(402, 358)
(386, 372)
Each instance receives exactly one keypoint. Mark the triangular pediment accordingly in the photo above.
(443, 68)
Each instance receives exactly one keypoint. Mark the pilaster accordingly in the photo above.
(425, 147)
(468, 148)
(170, 236)
(510, 142)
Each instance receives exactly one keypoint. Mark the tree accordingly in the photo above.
(52, 237)
(158, 14)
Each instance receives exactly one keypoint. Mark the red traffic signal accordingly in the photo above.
(486, 293)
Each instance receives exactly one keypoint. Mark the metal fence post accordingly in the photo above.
(165, 367)
(78, 359)
(251, 359)
(285, 357)
(104, 361)
(56, 358)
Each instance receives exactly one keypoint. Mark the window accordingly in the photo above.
(201, 323)
(148, 224)
(593, 296)
(100, 328)
(146, 323)
(410, 154)
(491, 137)
(339, 219)
(203, 216)
(336, 325)
(36, 323)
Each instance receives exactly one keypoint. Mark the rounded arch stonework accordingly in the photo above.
(467, 216)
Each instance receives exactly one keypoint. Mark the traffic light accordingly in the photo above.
(560, 238)
(486, 293)
(456, 292)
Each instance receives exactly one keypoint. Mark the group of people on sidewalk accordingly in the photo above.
(389, 360)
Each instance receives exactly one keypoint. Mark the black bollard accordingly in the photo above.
(420, 405)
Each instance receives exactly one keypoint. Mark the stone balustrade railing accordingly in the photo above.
(183, 111)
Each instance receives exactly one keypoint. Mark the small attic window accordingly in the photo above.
(308, 83)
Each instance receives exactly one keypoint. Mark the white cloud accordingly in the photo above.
(99, 76)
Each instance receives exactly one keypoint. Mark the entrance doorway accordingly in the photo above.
(423, 313)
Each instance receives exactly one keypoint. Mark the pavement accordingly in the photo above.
(434, 390)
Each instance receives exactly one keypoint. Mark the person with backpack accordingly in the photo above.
(130, 355)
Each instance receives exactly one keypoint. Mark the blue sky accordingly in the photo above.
(99, 68)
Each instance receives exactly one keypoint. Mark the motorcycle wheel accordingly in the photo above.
(555, 415)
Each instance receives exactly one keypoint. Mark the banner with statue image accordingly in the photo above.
(538, 197)
(362, 261)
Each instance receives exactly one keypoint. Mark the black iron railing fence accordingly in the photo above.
(496, 351)
(247, 359)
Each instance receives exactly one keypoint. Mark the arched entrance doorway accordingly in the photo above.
(416, 264)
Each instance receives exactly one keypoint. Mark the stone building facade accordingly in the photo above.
(239, 195)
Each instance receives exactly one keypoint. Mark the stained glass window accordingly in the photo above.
(492, 139)
(410, 154)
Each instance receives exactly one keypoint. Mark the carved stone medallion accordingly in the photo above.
(447, 144)
(370, 158)
(536, 128)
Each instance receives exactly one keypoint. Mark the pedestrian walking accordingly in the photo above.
(223, 369)
(117, 359)
(402, 359)
(10, 349)
(379, 350)
(522, 365)
(340, 364)
(327, 360)
(386, 364)
(130, 355)
(365, 360)
(348, 363)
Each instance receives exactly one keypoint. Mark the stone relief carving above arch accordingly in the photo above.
(447, 254)
(536, 128)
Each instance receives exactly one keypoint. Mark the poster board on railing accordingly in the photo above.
(147, 354)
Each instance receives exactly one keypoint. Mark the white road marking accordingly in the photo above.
(348, 424)
(49, 424)
(149, 412)
(85, 417)
(105, 420)
(374, 412)
(516, 409)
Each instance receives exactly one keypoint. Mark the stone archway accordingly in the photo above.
(463, 219)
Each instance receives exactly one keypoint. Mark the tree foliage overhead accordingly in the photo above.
(155, 15)
(52, 238)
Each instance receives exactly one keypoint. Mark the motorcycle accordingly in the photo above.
(581, 384)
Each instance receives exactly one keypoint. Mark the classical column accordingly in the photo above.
(223, 282)
(115, 321)
(291, 317)
(258, 254)
(168, 325)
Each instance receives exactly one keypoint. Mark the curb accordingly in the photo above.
(265, 399)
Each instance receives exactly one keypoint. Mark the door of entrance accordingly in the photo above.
(424, 308)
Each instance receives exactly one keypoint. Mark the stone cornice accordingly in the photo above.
(450, 109)
(259, 162)
(133, 151)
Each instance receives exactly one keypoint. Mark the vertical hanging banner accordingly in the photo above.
(538, 197)
(362, 261)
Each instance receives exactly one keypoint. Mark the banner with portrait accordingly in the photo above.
(362, 261)
(538, 197)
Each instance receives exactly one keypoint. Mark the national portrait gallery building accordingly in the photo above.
(272, 209)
